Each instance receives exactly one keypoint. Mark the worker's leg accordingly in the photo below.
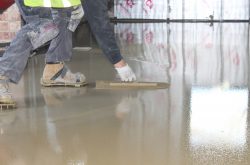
(60, 50)
(14, 60)
(96, 13)
(12, 64)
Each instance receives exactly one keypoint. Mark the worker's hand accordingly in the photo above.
(77, 12)
(126, 73)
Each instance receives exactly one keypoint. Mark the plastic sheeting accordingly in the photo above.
(200, 54)
(182, 9)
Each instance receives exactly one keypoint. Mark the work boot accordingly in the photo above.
(6, 99)
(60, 75)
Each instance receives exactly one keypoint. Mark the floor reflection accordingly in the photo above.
(213, 57)
(143, 130)
(218, 123)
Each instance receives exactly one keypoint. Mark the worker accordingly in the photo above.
(39, 31)
(54, 24)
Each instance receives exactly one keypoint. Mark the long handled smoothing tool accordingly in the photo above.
(130, 85)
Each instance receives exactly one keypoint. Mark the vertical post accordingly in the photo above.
(221, 10)
(248, 53)
(168, 10)
(183, 9)
(249, 11)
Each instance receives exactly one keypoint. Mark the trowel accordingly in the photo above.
(130, 85)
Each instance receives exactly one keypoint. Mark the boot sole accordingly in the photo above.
(7, 106)
(62, 84)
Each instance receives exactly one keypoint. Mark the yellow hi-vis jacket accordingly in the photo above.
(52, 3)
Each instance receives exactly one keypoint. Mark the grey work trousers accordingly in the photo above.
(96, 13)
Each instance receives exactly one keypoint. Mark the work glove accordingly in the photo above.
(126, 74)
(76, 15)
